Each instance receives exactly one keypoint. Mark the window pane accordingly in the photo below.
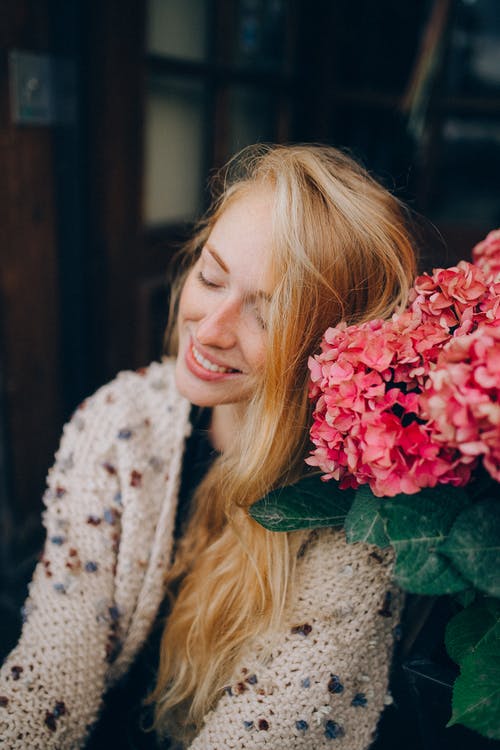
(173, 150)
(251, 117)
(178, 28)
(474, 59)
(260, 38)
(467, 179)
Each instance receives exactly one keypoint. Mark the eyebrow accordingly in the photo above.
(215, 255)
(254, 295)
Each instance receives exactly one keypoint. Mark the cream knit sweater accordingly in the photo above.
(110, 510)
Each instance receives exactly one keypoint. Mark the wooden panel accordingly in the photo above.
(115, 53)
(152, 315)
(28, 276)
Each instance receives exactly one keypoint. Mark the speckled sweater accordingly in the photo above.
(110, 510)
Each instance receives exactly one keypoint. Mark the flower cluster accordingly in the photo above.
(463, 396)
(415, 401)
(486, 255)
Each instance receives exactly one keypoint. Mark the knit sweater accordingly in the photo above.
(110, 512)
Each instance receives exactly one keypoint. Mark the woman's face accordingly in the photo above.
(223, 304)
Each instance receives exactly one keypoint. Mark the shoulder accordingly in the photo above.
(324, 674)
(134, 403)
(333, 576)
(133, 391)
(323, 553)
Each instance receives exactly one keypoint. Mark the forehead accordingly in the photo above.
(243, 236)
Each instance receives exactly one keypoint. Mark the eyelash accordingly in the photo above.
(205, 282)
(210, 284)
(260, 320)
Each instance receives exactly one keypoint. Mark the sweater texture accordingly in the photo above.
(110, 514)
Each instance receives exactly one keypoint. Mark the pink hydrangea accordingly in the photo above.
(486, 255)
(451, 296)
(490, 305)
(463, 396)
(411, 402)
(368, 422)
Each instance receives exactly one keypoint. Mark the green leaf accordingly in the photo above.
(470, 629)
(476, 692)
(466, 597)
(416, 525)
(473, 545)
(364, 522)
(308, 504)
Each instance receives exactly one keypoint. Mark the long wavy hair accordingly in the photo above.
(341, 251)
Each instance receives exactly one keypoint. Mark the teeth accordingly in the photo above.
(208, 365)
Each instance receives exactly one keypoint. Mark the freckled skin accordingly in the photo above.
(223, 319)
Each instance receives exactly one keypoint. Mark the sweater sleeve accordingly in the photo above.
(324, 677)
(52, 682)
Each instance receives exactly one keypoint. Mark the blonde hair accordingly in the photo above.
(341, 251)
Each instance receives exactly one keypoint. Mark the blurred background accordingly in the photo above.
(113, 115)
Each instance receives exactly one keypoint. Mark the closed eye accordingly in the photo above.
(202, 279)
(260, 320)
(206, 282)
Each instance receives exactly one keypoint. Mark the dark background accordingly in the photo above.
(149, 97)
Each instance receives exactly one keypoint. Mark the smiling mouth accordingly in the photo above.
(205, 363)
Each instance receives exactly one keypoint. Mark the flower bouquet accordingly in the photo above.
(406, 429)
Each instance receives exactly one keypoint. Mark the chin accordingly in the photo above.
(199, 392)
(208, 396)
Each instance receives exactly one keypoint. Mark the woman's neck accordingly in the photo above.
(224, 425)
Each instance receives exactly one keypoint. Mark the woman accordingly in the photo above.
(271, 640)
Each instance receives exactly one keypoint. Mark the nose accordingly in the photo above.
(218, 327)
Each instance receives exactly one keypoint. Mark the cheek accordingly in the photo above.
(187, 301)
(258, 352)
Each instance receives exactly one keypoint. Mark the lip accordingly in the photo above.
(200, 372)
